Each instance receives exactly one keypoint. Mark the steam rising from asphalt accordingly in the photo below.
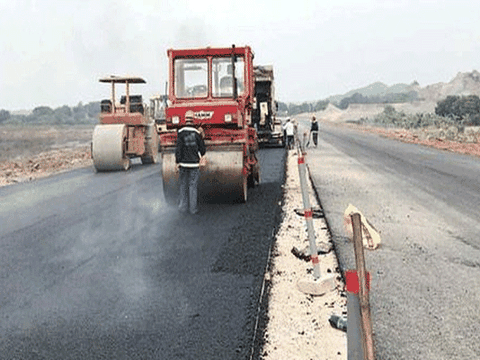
(122, 237)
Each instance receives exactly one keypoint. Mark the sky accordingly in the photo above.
(52, 52)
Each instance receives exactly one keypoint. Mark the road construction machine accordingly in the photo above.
(158, 106)
(126, 129)
(216, 85)
(269, 128)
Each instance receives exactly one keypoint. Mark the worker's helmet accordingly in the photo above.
(288, 119)
(189, 117)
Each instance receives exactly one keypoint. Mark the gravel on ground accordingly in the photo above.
(298, 326)
(47, 163)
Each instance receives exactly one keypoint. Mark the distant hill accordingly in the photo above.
(376, 89)
(466, 83)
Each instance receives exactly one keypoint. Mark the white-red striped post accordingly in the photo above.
(308, 213)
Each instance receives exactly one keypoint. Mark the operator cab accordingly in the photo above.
(192, 77)
(216, 84)
(128, 103)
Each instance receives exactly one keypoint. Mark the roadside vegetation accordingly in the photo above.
(289, 109)
(399, 119)
(391, 98)
(457, 111)
(357, 98)
(456, 118)
(82, 114)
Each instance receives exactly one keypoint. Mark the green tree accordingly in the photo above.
(93, 109)
(320, 105)
(459, 108)
(4, 115)
(42, 111)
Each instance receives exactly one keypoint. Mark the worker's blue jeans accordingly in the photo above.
(188, 189)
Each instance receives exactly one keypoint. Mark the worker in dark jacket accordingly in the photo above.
(188, 153)
(313, 131)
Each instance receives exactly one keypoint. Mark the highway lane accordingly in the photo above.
(425, 203)
(98, 266)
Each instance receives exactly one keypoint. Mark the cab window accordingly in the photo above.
(191, 78)
(222, 76)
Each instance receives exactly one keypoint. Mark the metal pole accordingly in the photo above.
(366, 320)
(308, 213)
(127, 95)
(113, 97)
(354, 332)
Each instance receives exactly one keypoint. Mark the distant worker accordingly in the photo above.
(290, 132)
(313, 131)
(189, 153)
(295, 128)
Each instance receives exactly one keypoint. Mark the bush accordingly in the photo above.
(391, 117)
(392, 98)
(460, 108)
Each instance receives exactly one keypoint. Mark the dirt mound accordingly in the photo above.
(359, 111)
(467, 83)
(331, 113)
(416, 107)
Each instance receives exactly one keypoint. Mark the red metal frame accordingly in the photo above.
(209, 112)
(240, 108)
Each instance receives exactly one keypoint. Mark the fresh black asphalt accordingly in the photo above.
(97, 266)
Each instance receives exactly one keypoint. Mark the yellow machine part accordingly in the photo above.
(222, 179)
(108, 147)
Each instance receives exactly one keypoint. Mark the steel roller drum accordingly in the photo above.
(108, 147)
(221, 179)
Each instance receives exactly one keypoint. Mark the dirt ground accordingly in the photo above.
(421, 137)
(298, 326)
(31, 152)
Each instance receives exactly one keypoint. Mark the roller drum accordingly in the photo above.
(222, 179)
(108, 147)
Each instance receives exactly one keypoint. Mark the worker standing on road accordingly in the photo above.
(189, 153)
(290, 132)
(313, 131)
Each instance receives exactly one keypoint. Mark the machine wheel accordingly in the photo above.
(170, 178)
(150, 158)
(108, 147)
(151, 147)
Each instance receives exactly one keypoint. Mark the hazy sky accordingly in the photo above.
(54, 51)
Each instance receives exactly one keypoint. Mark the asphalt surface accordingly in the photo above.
(97, 266)
(425, 203)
